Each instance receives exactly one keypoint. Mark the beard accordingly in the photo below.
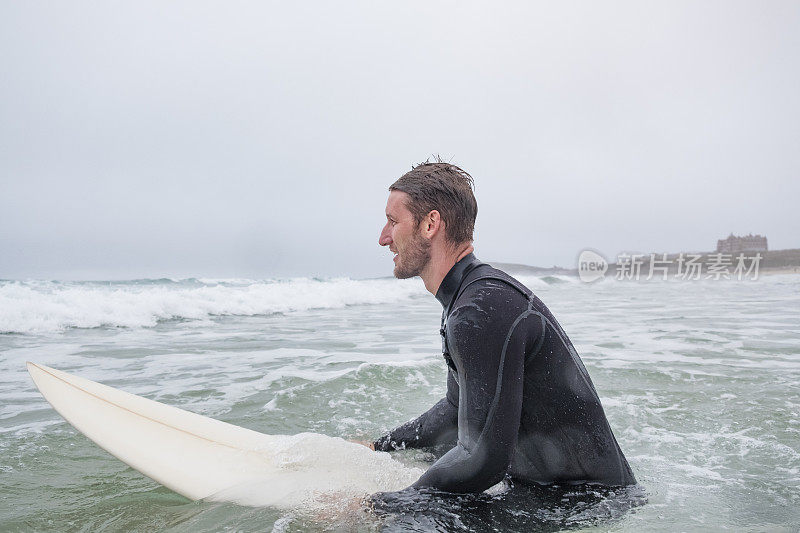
(414, 258)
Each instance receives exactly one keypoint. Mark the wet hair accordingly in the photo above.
(445, 188)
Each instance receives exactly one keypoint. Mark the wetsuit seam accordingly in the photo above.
(540, 342)
(499, 385)
(448, 398)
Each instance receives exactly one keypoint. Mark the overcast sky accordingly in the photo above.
(256, 139)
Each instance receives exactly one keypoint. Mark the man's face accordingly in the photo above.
(402, 236)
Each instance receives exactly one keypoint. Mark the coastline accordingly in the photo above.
(773, 262)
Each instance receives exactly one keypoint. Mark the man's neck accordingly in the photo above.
(441, 263)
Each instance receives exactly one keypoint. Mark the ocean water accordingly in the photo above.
(700, 381)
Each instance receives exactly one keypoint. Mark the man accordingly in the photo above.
(519, 400)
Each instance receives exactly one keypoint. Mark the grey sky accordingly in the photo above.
(254, 139)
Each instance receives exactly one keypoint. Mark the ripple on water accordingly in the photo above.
(701, 384)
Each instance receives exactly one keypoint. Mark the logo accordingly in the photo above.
(591, 266)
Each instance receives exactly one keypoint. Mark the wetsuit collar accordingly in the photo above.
(452, 281)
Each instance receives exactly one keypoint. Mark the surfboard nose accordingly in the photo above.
(33, 369)
(36, 371)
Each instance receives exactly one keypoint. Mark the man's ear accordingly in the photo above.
(432, 223)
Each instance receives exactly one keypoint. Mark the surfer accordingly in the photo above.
(519, 401)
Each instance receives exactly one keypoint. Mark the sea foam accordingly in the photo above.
(44, 306)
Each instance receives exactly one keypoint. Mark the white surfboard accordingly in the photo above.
(202, 458)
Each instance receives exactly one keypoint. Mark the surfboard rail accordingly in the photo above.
(203, 458)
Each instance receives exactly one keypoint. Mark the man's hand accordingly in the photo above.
(370, 445)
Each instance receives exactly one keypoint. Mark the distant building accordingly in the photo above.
(748, 243)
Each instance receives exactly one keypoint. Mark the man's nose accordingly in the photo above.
(385, 239)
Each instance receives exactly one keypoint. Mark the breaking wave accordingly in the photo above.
(47, 306)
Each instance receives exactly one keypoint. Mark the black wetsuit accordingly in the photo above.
(519, 399)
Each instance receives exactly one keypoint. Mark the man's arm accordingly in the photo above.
(490, 354)
(437, 426)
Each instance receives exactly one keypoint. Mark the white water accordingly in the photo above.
(700, 382)
(47, 306)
